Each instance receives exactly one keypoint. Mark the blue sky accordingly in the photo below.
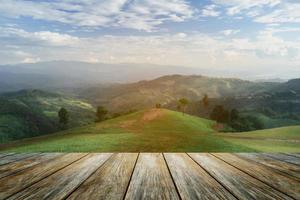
(259, 36)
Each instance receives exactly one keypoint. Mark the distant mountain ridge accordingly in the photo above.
(53, 75)
(73, 74)
(167, 89)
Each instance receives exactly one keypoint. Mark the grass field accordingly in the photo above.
(163, 131)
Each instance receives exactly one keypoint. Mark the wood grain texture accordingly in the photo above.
(151, 179)
(110, 181)
(2, 155)
(283, 157)
(240, 184)
(297, 155)
(192, 181)
(15, 157)
(12, 168)
(266, 174)
(63, 182)
(12, 184)
(283, 167)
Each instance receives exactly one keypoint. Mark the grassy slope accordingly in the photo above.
(153, 130)
(29, 113)
(286, 139)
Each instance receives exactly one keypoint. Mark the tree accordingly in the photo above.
(205, 100)
(63, 116)
(220, 114)
(234, 115)
(182, 104)
(101, 113)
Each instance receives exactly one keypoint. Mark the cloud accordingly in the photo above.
(210, 11)
(288, 13)
(143, 15)
(40, 38)
(31, 60)
(230, 32)
(237, 6)
(185, 49)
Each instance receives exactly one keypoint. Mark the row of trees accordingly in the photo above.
(63, 115)
(232, 117)
(219, 114)
(183, 103)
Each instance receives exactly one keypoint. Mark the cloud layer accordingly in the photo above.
(220, 34)
(137, 14)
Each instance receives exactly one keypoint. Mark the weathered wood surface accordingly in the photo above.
(151, 179)
(15, 157)
(192, 181)
(281, 166)
(10, 185)
(240, 184)
(265, 174)
(65, 181)
(284, 157)
(15, 167)
(110, 181)
(2, 155)
(149, 176)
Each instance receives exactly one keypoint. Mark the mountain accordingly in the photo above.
(265, 104)
(168, 89)
(159, 130)
(73, 74)
(29, 113)
(55, 75)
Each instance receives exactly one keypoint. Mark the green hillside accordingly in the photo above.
(29, 113)
(155, 130)
(285, 139)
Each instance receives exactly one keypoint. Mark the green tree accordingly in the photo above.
(219, 114)
(63, 116)
(205, 101)
(182, 104)
(101, 113)
(234, 115)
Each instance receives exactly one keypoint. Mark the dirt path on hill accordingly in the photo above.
(152, 114)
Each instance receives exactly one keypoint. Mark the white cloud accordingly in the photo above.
(41, 37)
(237, 6)
(135, 14)
(193, 49)
(31, 60)
(230, 32)
(210, 11)
(287, 13)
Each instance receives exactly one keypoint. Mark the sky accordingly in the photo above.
(261, 37)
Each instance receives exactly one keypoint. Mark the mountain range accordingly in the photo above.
(33, 111)
(54, 75)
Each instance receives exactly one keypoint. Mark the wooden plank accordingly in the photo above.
(297, 155)
(286, 158)
(65, 181)
(265, 174)
(283, 167)
(15, 157)
(110, 181)
(192, 181)
(2, 155)
(12, 168)
(237, 182)
(12, 184)
(151, 179)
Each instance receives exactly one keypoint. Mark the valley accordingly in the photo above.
(127, 124)
(159, 130)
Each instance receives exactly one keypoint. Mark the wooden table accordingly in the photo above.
(149, 176)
